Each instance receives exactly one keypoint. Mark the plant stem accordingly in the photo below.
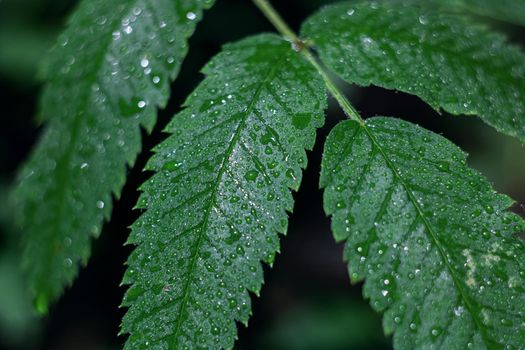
(273, 16)
(347, 107)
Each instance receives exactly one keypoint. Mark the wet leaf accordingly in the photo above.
(433, 241)
(448, 61)
(219, 196)
(108, 73)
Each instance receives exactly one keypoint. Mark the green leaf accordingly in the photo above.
(432, 238)
(447, 61)
(219, 196)
(108, 73)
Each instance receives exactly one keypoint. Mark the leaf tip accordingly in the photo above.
(41, 304)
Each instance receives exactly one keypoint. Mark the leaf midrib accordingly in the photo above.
(432, 235)
(242, 123)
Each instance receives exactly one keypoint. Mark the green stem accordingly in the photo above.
(347, 107)
(273, 16)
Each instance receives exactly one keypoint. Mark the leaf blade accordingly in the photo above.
(108, 73)
(433, 240)
(225, 173)
(449, 62)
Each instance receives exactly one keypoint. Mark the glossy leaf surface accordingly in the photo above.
(452, 64)
(433, 241)
(219, 196)
(108, 73)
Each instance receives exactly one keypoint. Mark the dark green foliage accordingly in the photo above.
(432, 238)
(108, 73)
(434, 243)
(219, 196)
(450, 62)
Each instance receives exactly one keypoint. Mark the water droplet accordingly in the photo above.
(172, 165)
(68, 262)
(366, 41)
(423, 19)
(100, 204)
(435, 331)
(290, 174)
(443, 166)
(232, 303)
(63, 41)
(101, 20)
(144, 62)
(301, 121)
(70, 60)
(506, 322)
(191, 16)
(130, 108)
(233, 237)
(350, 12)
(458, 311)
(340, 205)
(475, 213)
(251, 175)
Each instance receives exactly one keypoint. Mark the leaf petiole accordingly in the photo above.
(299, 45)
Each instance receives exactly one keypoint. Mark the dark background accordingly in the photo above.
(307, 301)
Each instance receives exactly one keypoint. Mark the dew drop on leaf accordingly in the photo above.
(251, 175)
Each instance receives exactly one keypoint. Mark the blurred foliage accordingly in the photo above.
(17, 317)
(20, 51)
(27, 30)
(332, 322)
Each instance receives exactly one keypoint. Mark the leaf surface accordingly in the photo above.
(449, 62)
(431, 237)
(219, 196)
(108, 73)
